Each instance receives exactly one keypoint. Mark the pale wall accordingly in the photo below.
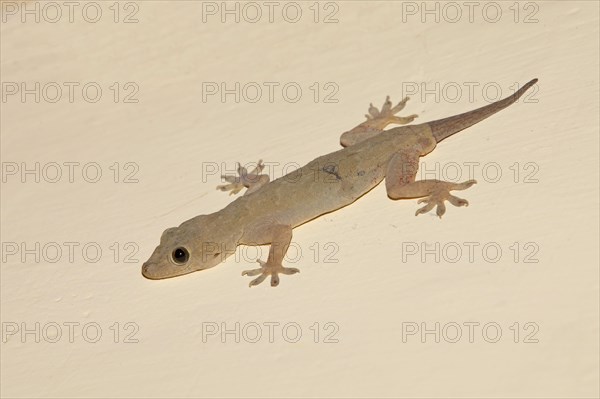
(550, 208)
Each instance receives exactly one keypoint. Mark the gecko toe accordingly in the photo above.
(257, 280)
(441, 209)
(464, 185)
(457, 201)
(426, 208)
(253, 272)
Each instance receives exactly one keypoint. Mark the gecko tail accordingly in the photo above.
(444, 128)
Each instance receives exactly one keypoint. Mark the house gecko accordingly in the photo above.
(269, 210)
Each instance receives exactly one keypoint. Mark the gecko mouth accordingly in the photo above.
(152, 272)
(146, 267)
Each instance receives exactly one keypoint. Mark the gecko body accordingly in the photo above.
(269, 210)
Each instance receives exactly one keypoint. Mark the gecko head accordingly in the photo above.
(186, 249)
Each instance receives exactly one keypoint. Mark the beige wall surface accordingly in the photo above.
(118, 117)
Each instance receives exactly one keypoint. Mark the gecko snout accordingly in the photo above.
(145, 271)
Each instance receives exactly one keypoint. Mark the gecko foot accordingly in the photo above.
(253, 180)
(268, 269)
(376, 121)
(387, 113)
(441, 194)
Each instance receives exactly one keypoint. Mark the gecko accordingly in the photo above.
(269, 210)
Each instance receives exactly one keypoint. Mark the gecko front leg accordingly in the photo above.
(252, 180)
(400, 183)
(376, 122)
(280, 236)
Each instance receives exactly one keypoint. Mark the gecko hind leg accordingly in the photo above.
(252, 180)
(400, 183)
(376, 122)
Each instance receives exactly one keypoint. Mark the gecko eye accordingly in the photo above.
(180, 255)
